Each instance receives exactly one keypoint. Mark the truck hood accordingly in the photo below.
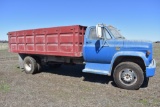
(140, 46)
(137, 44)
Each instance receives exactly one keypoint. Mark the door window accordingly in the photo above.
(92, 34)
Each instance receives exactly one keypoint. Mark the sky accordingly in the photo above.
(136, 19)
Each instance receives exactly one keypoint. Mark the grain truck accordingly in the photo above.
(102, 49)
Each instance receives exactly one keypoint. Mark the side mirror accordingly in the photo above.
(99, 30)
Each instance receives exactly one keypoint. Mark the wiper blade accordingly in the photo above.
(121, 37)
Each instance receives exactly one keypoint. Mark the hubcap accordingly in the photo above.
(27, 66)
(128, 76)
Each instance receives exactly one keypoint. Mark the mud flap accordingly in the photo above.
(21, 62)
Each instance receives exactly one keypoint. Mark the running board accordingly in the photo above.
(96, 71)
(97, 68)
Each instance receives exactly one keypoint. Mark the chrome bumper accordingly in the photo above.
(151, 69)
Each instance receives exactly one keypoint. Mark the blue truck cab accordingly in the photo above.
(107, 52)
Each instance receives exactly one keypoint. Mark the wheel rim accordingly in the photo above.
(128, 77)
(27, 66)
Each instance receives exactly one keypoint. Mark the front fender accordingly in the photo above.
(130, 53)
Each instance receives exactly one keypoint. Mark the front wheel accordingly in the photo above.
(128, 75)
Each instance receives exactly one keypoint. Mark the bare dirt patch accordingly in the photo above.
(69, 87)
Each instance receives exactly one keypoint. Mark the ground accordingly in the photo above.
(69, 87)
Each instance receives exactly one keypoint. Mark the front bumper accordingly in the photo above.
(151, 69)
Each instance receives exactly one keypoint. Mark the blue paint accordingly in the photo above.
(100, 54)
(97, 68)
(99, 51)
(150, 70)
(140, 46)
(129, 53)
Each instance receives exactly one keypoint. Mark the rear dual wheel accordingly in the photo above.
(31, 66)
(128, 75)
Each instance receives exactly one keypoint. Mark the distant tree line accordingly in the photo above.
(157, 42)
(3, 41)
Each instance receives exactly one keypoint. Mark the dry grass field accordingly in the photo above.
(3, 46)
(69, 87)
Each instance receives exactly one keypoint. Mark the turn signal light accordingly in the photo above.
(148, 53)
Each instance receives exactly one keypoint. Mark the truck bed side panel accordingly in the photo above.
(57, 41)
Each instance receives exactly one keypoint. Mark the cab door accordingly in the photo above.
(98, 50)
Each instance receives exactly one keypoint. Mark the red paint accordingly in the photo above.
(57, 41)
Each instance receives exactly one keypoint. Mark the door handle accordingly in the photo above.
(88, 42)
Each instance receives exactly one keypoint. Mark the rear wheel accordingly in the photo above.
(30, 65)
(39, 65)
(128, 75)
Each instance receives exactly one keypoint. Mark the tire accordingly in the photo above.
(30, 65)
(128, 75)
(39, 67)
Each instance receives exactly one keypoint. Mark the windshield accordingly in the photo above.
(115, 32)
